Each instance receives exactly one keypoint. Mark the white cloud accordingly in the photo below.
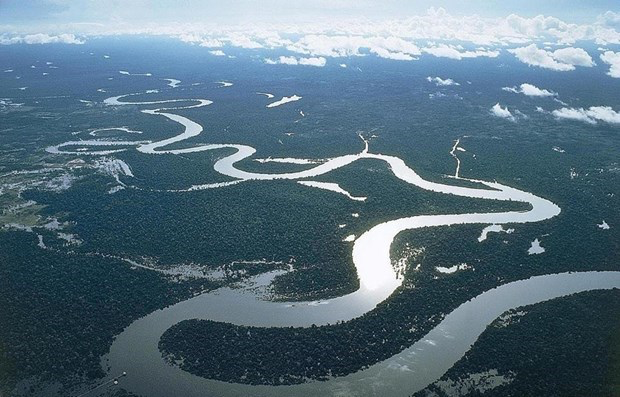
(201, 41)
(512, 89)
(454, 52)
(290, 60)
(242, 41)
(532, 90)
(441, 82)
(397, 56)
(613, 59)
(498, 111)
(560, 102)
(390, 47)
(591, 115)
(573, 56)
(211, 43)
(564, 59)
(534, 56)
(573, 114)
(41, 38)
(329, 46)
(393, 38)
(189, 38)
(604, 113)
(217, 53)
(610, 19)
(529, 90)
(233, 39)
(314, 61)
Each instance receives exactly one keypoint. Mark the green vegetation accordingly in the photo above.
(613, 373)
(7, 371)
(60, 312)
(61, 307)
(558, 348)
(278, 221)
(292, 355)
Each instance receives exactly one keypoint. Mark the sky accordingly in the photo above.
(552, 35)
(559, 36)
(27, 15)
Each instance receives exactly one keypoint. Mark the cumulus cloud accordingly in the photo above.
(243, 41)
(516, 90)
(498, 111)
(315, 61)
(454, 52)
(290, 60)
(610, 19)
(441, 82)
(435, 24)
(233, 39)
(613, 59)
(534, 56)
(590, 116)
(573, 56)
(217, 53)
(564, 59)
(541, 28)
(392, 38)
(41, 38)
(529, 90)
(201, 41)
(351, 45)
(397, 38)
(397, 56)
(532, 90)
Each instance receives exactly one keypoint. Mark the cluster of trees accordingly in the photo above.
(282, 220)
(274, 221)
(84, 302)
(562, 348)
(108, 223)
(291, 355)
(61, 312)
(285, 355)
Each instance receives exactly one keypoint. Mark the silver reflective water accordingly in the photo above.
(371, 251)
(136, 351)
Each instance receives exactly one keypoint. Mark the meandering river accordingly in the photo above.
(136, 351)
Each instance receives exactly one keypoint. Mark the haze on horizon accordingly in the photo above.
(84, 16)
